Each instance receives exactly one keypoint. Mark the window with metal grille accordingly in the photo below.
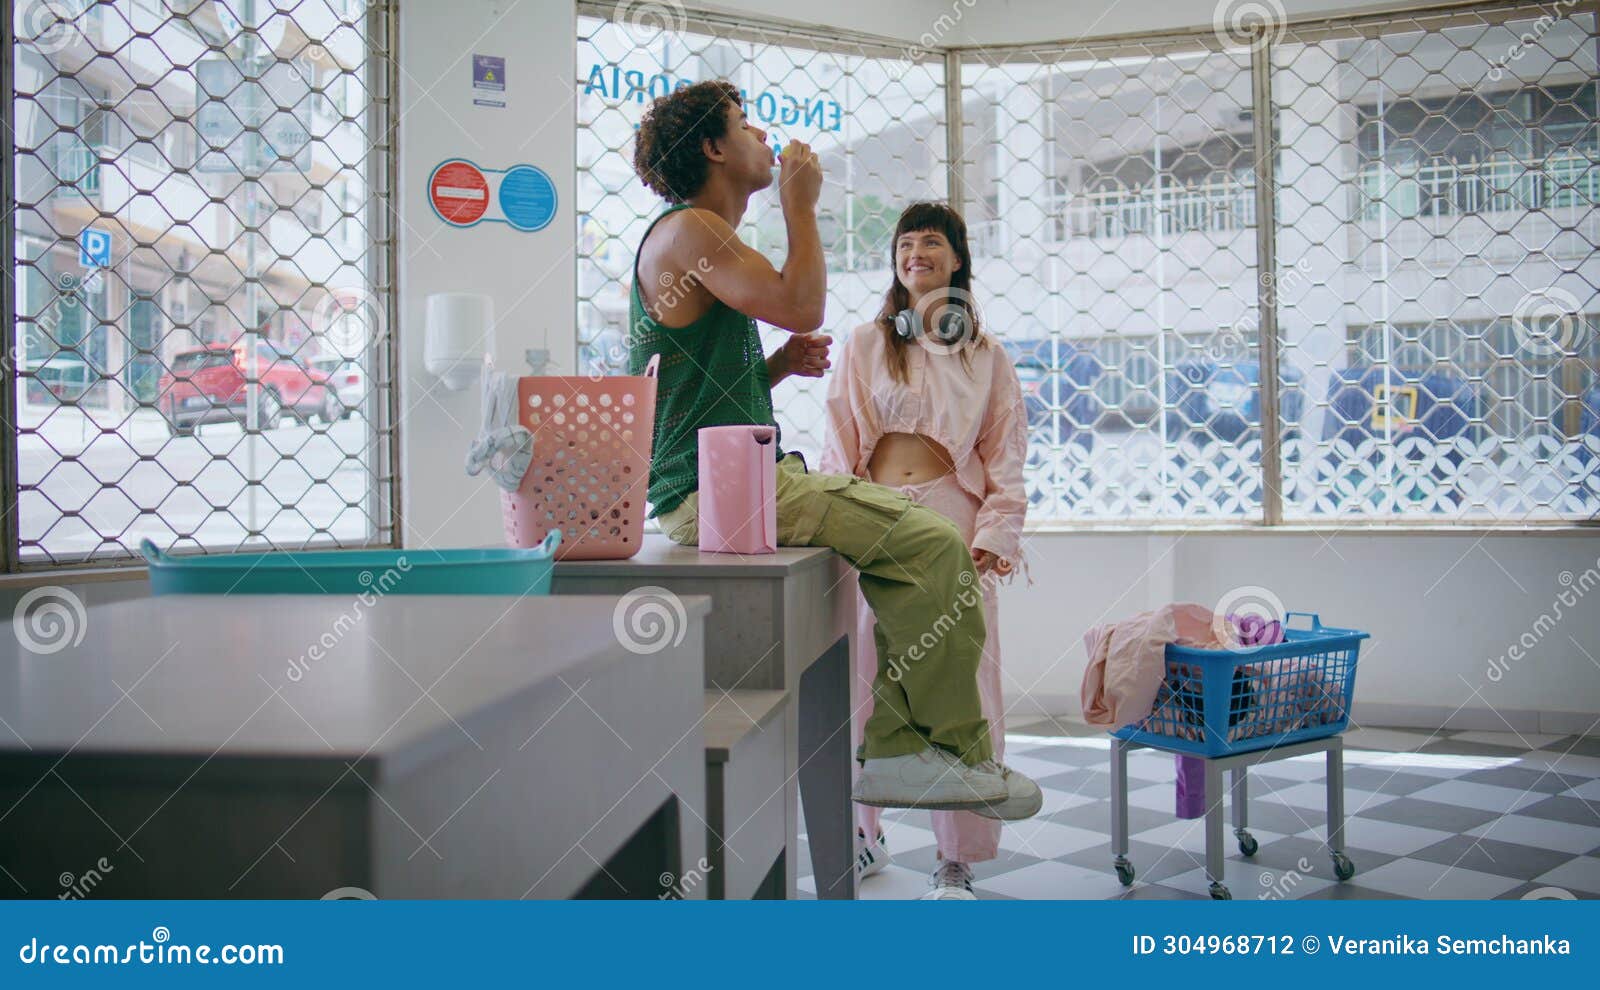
(1342, 269)
(873, 113)
(200, 259)
(1437, 191)
(1122, 273)
(1434, 193)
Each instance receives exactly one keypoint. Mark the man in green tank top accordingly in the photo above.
(698, 292)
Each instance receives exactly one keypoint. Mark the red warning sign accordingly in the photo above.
(459, 193)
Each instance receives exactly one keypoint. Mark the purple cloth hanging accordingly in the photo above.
(1191, 794)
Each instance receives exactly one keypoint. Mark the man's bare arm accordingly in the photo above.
(741, 277)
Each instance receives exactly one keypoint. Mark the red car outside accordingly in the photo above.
(209, 385)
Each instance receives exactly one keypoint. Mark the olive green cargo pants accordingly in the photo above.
(918, 576)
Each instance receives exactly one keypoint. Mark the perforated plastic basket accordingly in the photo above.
(591, 463)
(1219, 702)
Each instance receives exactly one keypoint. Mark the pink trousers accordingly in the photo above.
(963, 837)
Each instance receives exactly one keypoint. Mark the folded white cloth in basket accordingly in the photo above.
(503, 446)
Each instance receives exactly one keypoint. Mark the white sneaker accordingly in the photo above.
(1023, 797)
(951, 882)
(933, 779)
(872, 858)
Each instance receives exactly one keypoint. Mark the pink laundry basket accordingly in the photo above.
(738, 506)
(591, 463)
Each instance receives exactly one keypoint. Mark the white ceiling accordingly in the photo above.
(975, 22)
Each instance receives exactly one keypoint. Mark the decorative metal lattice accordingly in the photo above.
(1114, 192)
(201, 262)
(1394, 215)
(874, 115)
(1437, 199)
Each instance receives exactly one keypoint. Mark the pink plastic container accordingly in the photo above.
(591, 463)
(738, 489)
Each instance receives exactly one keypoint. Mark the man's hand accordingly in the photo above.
(803, 354)
(806, 354)
(800, 180)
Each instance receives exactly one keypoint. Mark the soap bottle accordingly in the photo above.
(539, 362)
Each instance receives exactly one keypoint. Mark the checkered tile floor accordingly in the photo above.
(1452, 815)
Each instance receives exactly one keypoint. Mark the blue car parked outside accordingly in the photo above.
(1223, 400)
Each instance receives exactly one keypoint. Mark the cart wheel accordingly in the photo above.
(1220, 893)
(1124, 871)
(1342, 867)
(1247, 844)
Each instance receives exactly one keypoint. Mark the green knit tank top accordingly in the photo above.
(713, 373)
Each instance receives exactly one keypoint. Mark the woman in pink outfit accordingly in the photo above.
(922, 400)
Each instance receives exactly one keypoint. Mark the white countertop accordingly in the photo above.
(223, 677)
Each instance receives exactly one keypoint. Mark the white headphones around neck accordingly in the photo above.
(952, 324)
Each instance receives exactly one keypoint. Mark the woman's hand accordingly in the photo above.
(803, 354)
(986, 561)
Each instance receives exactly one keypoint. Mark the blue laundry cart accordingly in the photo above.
(1236, 709)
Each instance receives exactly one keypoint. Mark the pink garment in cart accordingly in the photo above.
(1127, 660)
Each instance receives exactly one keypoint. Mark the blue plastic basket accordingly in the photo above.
(355, 572)
(1220, 702)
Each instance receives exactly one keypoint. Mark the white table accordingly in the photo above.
(783, 622)
(453, 746)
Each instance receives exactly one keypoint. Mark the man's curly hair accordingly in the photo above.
(667, 154)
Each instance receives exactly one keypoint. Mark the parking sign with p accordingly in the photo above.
(94, 248)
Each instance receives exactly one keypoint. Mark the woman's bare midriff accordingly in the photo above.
(908, 459)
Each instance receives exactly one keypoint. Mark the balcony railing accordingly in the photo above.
(1442, 187)
(1220, 204)
(78, 168)
(1227, 203)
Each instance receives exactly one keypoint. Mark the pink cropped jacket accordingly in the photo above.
(978, 415)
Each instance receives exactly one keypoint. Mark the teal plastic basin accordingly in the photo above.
(353, 572)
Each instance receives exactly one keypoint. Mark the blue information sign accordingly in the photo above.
(527, 197)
